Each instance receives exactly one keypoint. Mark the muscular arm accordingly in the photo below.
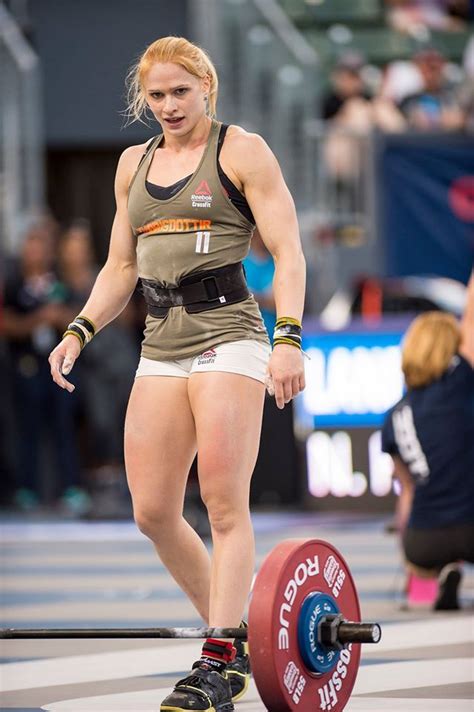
(115, 282)
(275, 215)
(117, 279)
(261, 179)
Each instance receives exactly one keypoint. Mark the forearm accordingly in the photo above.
(289, 284)
(111, 293)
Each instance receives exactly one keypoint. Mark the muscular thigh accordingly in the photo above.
(160, 440)
(227, 409)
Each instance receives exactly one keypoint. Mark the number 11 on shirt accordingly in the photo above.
(202, 241)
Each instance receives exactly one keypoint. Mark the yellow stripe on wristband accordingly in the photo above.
(287, 320)
(74, 333)
(283, 340)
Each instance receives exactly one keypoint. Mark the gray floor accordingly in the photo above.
(107, 575)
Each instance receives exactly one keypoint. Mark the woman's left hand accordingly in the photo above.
(285, 373)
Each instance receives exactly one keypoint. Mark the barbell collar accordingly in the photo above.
(348, 632)
(335, 632)
(44, 633)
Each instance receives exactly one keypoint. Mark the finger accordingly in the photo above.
(55, 363)
(68, 363)
(279, 394)
(295, 386)
(59, 379)
(269, 385)
(302, 381)
(288, 389)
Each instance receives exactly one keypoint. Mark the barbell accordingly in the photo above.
(304, 630)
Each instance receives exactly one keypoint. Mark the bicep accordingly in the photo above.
(122, 248)
(271, 203)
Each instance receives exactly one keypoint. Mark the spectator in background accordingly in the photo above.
(76, 260)
(35, 315)
(411, 16)
(466, 91)
(436, 106)
(351, 113)
(347, 86)
(430, 435)
(105, 383)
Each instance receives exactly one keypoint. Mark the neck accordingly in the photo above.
(194, 138)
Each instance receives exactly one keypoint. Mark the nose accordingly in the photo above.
(169, 104)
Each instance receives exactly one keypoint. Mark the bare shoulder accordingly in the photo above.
(127, 164)
(238, 140)
(247, 151)
(130, 157)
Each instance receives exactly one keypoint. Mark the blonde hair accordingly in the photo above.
(429, 345)
(177, 50)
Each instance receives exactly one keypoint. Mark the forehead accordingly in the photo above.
(167, 74)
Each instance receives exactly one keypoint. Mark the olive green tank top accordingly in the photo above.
(197, 229)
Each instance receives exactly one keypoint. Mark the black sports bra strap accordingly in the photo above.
(220, 140)
(148, 149)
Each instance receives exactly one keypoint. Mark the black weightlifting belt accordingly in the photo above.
(198, 292)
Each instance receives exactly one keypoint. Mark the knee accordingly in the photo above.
(151, 519)
(224, 515)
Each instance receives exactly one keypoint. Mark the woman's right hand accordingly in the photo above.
(62, 359)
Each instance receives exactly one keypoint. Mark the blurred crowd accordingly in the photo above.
(58, 448)
(416, 16)
(64, 450)
(425, 93)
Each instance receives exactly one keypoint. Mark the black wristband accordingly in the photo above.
(86, 323)
(76, 331)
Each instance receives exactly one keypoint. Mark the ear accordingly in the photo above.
(206, 84)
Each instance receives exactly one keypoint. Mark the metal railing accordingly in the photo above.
(21, 137)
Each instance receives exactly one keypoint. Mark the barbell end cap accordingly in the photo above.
(376, 633)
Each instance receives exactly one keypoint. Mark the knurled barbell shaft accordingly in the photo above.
(348, 632)
(28, 633)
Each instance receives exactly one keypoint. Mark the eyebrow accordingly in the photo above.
(180, 86)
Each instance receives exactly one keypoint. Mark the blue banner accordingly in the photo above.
(352, 377)
(426, 186)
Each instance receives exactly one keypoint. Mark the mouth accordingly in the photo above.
(175, 121)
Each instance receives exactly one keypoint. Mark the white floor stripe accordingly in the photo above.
(148, 700)
(452, 629)
(145, 701)
(413, 673)
(93, 668)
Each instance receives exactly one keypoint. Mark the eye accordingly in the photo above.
(181, 91)
(156, 94)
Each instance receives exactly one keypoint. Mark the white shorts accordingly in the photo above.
(247, 357)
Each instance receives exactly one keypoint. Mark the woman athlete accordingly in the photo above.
(187, 204)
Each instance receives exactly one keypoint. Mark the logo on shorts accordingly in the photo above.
(202, 196)
(207, 357)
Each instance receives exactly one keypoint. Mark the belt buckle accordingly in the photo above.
(212, 293)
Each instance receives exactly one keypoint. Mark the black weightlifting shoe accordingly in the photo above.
(449, 580)
(204, 690)
(238, 671)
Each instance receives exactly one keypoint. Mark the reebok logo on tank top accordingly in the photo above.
(202, 196)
